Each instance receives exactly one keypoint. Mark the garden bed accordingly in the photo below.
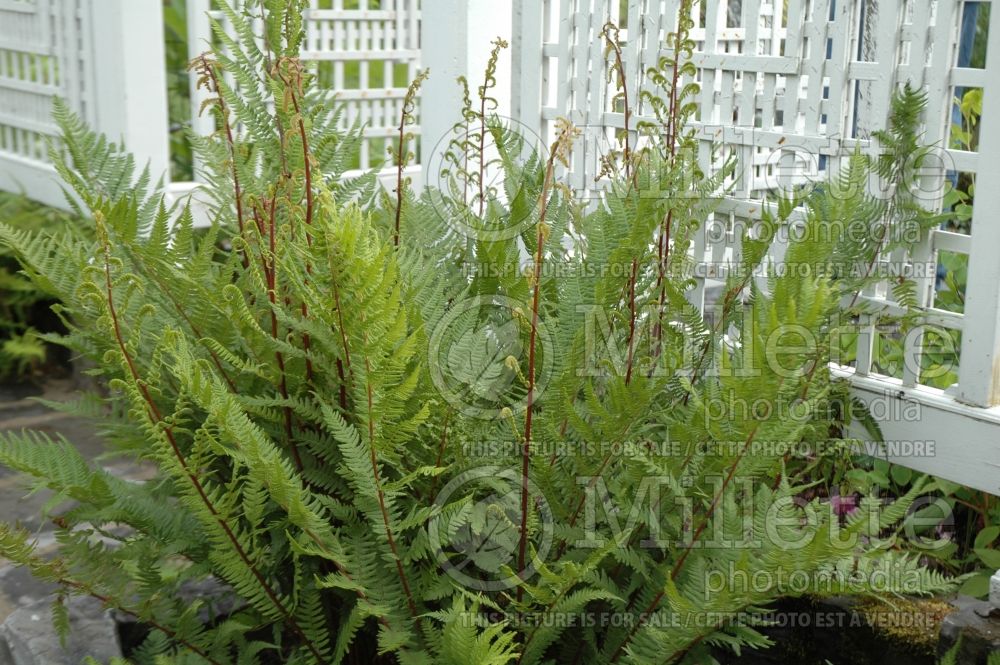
(838, 631)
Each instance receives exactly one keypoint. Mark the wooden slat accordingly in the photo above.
(979, 371)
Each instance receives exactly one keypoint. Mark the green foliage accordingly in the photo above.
(376, 458)
(22, 304)
(21, 353)
(176, 43)
(951, 657)
(972, 511)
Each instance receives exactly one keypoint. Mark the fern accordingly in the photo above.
(394, 441)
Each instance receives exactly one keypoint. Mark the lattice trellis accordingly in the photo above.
(365, 52)
(802, 84)
(790, 86)
(95, 56)
(43, 54)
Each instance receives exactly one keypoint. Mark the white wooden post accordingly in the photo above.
(455, 39)
(489, 19)
(199, 40)
(979, 364)
(445, 51)
(130, 81)
(526, 46)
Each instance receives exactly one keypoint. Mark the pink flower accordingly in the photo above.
(843, 505)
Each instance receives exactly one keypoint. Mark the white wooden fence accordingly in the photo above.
(97, 55)
(366, 52)
(800, 81)
(805, 82)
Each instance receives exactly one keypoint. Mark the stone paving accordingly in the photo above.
(17, 587)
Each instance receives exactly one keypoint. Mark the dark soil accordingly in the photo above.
(827, 634)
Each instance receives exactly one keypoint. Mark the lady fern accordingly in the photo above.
(395, 442)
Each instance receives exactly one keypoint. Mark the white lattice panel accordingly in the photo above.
(41, 57)
(801, 73)
(76, 50)
(801, 83)
(365, 52)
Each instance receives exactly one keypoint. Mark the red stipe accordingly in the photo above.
(562, 433)
(442, 444)
(231, 142)
(307, 161)
(631, 321)
(664, 244)
(157, 418)
(306, 154)
(307, 169)
(661, 283)
(522, 546)
(341, 373)
(399, 176)
(272, 287)
(620, 67)
(411, 603)
(482, 149)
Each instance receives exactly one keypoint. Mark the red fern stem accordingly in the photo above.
(386, 521)
(157, 418)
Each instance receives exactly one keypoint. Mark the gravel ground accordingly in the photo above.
(18, 411)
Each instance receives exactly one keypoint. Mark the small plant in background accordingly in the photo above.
(967, 516)
(964, 517)
(961, 187)
(24, 305)
(951, 658)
